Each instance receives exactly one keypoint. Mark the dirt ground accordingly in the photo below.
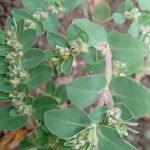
(141, 140)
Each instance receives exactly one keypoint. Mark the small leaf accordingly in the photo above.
(98, 114)
(39, 75)
(109, 139)
(144, 4)
(66, 123)
(41, 105)
(127, 5)
(132, 94)
(90, 28)
(66, 66)
(33, 58)
(118, 18)
(61, 93)
(10, 123)
(50, 88)
(102, 11)
(57, 39)
(134, 29)
(84, 91)
(27, 39)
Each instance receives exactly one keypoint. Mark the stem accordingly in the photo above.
(105, 97)
(108, 59)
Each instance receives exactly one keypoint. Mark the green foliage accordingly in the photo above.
(8, 122)
(69, 125)
(102, 11)
(90, 112)
(132, 95)
(84, 91)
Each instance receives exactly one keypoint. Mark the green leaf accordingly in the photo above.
(25, 144)
(90, 28)
(96, 67)
(39, 75)
(5, 85)
(98, 114)
(132, 94)
(69, 5)
(90, 57)
(3, 65)
(20, 14)
(10, 123)
(66, 66)
(50, 88)
(57, 39)
(102, 11)
(20, 28)
(50, 54)
(134, 29)
(4, 96)
(27, 39)
(41, 141)
(74, 32)
(127, 5)
(85, 90)
(126, 113)
(34, 5)
(66, 123)
(124, 46)
(118, 18)
(2, 37)
(144, 4)
(41, 105)
(109, 139)
(33, 58)
(145, 19)
(4, 50)
(61, 93)
(51, 23)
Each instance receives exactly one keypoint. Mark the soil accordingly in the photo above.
(141, 140)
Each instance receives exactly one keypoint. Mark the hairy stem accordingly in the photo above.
(108, 59)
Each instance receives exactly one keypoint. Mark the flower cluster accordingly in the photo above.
(88, 136)
(63, 53)
(134, 14)
(19, 103)
(16, 73)
(119, 68)
(145, 34)
(78, 45)
(56, 9)
(43, 15)
(113, 118)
